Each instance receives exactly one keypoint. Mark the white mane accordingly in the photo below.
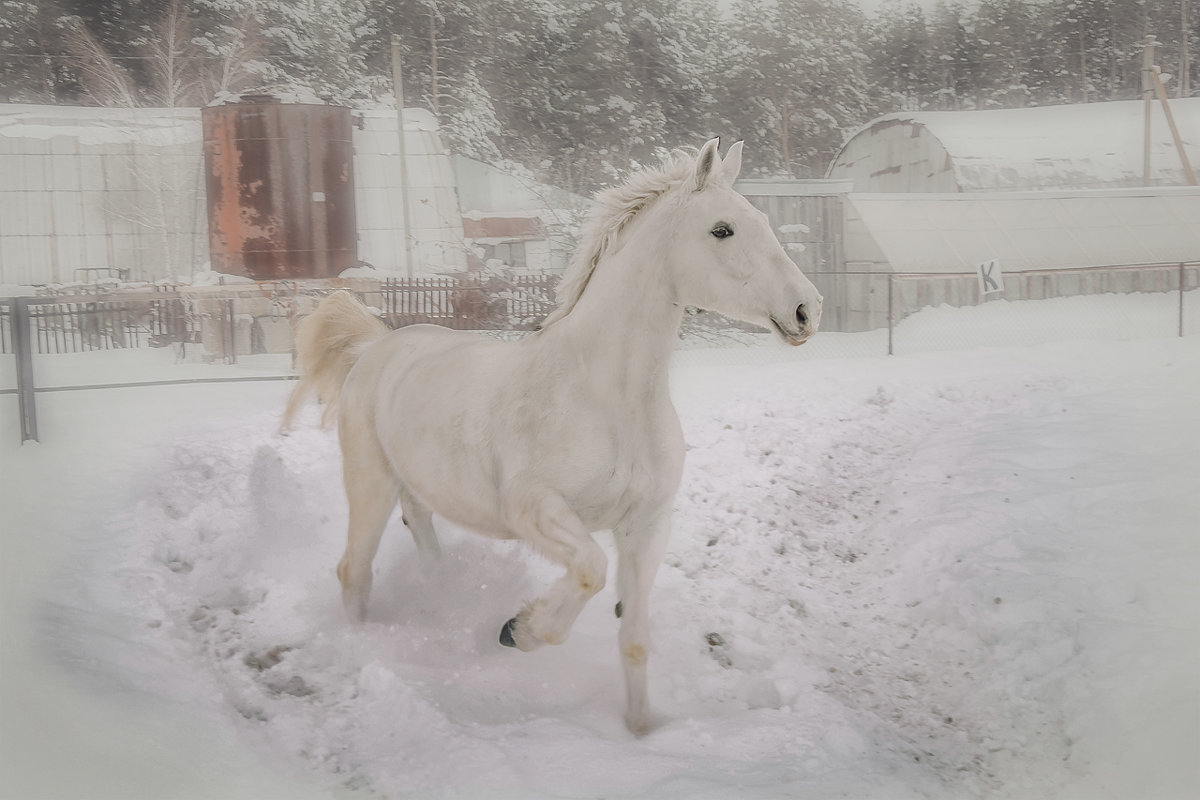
(611, 211)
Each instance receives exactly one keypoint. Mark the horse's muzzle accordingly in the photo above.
(796, 332)
(802, 316)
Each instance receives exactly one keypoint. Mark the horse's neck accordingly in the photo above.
(625, 323)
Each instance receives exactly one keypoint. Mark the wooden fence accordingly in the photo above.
(472, 303)
(97, 322)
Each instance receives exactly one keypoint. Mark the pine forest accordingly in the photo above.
(572, 92)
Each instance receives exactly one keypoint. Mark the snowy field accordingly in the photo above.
(965, 571)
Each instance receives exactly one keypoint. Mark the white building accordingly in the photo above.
(87, 192)
(1082, 146)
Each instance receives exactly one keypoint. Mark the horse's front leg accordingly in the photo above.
(545, 521)
(640, 551)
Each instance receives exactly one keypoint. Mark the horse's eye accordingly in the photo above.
(722, 230)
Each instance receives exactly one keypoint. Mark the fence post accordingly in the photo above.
(891, 321)
(1181, 272)
(23, 346)
(230, 332)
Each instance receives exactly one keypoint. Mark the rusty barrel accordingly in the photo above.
(280, 182)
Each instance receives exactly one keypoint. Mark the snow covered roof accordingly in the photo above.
(1087, 145)
(1025, 230)
(489, 189)
(93, 127)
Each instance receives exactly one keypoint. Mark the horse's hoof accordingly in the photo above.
(506, 633)
(643, 724)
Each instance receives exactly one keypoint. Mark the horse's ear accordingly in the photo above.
(732, 164)
(705, 162)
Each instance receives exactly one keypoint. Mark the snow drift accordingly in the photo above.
(957, 574)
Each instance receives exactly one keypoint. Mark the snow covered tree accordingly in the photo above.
(630, 79)
(233, 52)
(27, 69)
(800, 80)
(902, 53)
(317, 45)
(1005, 32)
(956, 56)
(446, 52)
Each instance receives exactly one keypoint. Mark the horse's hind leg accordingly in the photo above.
(546, 522)
(419, 520)
(371, 490)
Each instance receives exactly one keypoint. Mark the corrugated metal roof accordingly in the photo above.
(1025, 230)
(501, 227)
(1069, 146)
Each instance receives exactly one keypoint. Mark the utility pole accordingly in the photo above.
(1083, 76)
(1188, 173)
(1148, 45)
(1184, 87)
(406, 211)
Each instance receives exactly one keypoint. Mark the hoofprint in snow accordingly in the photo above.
(958, 574)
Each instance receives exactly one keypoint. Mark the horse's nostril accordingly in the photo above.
(801, 315)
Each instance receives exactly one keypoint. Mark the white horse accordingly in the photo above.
(570, 430)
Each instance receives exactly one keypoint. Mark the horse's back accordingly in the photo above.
(431, 346)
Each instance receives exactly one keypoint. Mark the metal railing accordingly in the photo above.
(862, 300)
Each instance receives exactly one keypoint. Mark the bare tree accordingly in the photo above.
(102, 78)
(235, 54)
(173, 60)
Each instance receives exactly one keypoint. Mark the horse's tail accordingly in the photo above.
(328, 343)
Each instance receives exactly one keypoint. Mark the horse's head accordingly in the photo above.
(726, 258)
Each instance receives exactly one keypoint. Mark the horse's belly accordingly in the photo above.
(448, 481)
(427, 421)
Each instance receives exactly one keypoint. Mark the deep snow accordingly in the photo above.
(967, 573)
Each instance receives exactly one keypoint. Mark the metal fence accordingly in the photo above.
(6, 337)
(74, 324)
(73, 327)
(862, 301)
(909, 293)
(223, 324)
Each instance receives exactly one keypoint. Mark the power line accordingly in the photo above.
(66, 57)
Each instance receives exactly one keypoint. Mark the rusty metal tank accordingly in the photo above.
(280, 182)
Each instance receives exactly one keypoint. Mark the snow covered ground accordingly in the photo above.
(953, 573)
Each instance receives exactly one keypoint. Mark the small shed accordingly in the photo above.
(1082, 146)
(510, 217)
(519, 240)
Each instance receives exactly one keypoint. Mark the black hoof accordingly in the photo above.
(619, 610)
(506, 633)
